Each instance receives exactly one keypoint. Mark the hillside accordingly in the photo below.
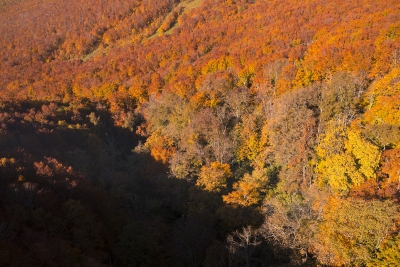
(199, 133)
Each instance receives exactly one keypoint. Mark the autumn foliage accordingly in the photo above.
(199, 133)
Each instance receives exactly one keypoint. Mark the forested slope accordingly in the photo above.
(200, 133)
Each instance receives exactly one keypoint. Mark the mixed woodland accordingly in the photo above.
(199, 133)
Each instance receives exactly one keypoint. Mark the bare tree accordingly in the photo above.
(242, 245)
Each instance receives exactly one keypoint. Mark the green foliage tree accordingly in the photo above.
(388, 254)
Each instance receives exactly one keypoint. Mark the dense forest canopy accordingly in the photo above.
(199, 133)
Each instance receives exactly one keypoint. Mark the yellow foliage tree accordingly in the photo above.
(388, 254)
(161, 146)
(352, 238)
(248, 190)
(213, 178)
(346, 158)
(383, 99)
(214, 65)
(385, 110)
(366, 154)
(252, 141)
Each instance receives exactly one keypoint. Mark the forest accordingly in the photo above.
(188, 133)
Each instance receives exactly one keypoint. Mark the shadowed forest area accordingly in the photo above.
(199, 133)
(78, 191)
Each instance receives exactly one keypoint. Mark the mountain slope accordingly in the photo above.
(277, 120)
